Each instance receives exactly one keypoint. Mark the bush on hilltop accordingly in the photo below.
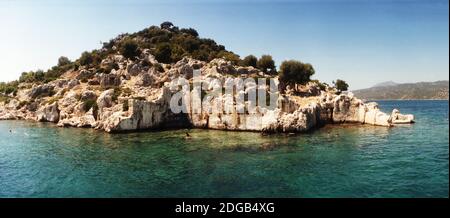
(248, 61)
(266, 64)
(292, 72)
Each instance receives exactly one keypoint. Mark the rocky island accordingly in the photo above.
(129, 84)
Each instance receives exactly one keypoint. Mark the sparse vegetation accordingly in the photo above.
(4, 98)
(322, 86)
(53, 99)
(88, 104)
(229, 56)
(129, 48)
(189, 31)
(9, 88)
(340, 85)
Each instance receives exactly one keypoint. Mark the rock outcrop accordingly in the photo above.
(137, 94)
(48, 113)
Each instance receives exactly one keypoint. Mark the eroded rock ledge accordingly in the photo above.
(137, 96)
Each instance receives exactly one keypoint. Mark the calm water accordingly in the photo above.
(39, 160)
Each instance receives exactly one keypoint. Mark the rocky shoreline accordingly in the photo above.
(137, 95)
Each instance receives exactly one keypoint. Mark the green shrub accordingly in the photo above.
(8, 88)
(91, 59)
(189, 31)
(53, 100)
(129, 48)
(86, 58)
(32, 77)
(266, 64)
(340, 85)
(163, 53)
(322, 86)
(63, 61)
(248, 61)
(106, 69)
(88, 104)
(292, 72)
(167, 25)
(229, 56)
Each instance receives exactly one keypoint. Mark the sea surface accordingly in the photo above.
(41, 160)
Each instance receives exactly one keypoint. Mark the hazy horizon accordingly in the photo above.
(362, 42)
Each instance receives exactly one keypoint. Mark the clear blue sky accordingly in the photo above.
(363, 42)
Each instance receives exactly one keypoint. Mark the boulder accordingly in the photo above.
(88, 95)
(141, 114)
(348, 109)
(105, 99)
(109, 80)
(93, 82)
(144, 80)
(48, 113)
(42, 91)
(134, 69)
(84, 75)
(374, 116)
(72, 83)
(398, 118)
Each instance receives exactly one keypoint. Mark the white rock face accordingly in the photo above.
(348, 109)
(398, 118)
(105, 99)
(49, 113)
(140, 115)
(374, 116)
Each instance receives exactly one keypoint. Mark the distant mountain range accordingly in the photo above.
(388, 83)
(391, 90)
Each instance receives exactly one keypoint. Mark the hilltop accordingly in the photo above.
(406, 91)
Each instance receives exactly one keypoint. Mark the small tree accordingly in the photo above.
(129, 48)
(86, 58)
(189, 31)
(340, 85)
(62, 61)
(292, 72)
(167, 25)
(250, 60)
(266, 64)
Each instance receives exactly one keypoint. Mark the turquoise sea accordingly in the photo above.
(40, 160)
